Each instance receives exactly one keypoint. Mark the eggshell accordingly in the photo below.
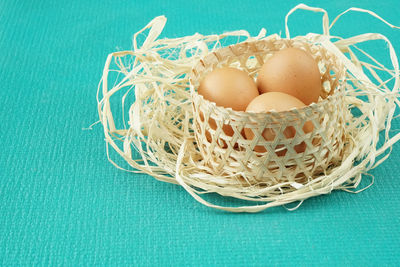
(292, 71)
(277, 101)
(229, 88)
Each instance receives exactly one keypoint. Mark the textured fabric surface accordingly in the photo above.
(63, 203)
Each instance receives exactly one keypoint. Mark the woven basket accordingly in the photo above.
(235, 156)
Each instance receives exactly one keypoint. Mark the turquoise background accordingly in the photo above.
(63, 203)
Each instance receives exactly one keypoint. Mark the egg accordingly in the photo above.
(292, 71)
(229, 88)
(277, 101)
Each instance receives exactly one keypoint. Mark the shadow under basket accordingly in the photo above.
(258, 161)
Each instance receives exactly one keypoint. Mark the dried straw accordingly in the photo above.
(165, 136)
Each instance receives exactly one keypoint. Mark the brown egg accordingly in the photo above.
(229, 88)
(277, 101)
(292, 71)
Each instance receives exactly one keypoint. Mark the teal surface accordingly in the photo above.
(63, 203)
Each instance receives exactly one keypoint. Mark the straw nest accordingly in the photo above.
(165, 131)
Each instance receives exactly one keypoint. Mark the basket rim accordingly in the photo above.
(311, 107)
